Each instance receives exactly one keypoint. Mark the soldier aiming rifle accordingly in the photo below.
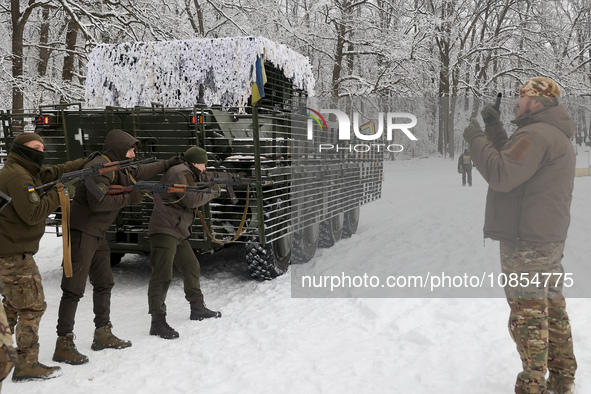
(169, 234)
(22, 224)
(91, 256)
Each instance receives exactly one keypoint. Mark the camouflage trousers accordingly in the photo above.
(24, 302)
(7, 352)
(539, 324)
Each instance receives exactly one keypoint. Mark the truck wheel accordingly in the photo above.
(351, 222)
(331, 231)
(305, 243)
(268, 261)
(116, 258)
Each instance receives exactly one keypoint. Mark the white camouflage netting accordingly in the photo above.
(170, 72)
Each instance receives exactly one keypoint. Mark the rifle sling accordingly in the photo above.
(67, 244)
(238, 232)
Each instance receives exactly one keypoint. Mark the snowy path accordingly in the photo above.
(269, 342)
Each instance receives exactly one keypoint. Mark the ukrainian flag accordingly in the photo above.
(258, 90)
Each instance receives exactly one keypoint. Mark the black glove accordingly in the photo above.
(473, 131)
(135, 197)
(91, 157)
(174, 160)
(490, 115)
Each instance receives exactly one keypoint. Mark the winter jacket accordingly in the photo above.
(93, 216)
(179, 215)
(464, 162)
(530, 176)
(22, 222)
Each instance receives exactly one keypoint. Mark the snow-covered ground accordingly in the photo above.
(269, 342)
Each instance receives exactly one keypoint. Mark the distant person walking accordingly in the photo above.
(465, 167)
(531, 177)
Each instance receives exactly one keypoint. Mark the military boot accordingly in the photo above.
(104, 339)
(66, 352)
(161, 328)
(199, 311)
(24, 371)
(558, 385)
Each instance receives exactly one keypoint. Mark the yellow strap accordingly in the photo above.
(238, 232)
(67, 244)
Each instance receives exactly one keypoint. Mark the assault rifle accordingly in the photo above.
(157, 188)
(4, 200)
(86, 174)
(230, 182)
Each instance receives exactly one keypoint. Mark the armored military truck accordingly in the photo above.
(174, 95)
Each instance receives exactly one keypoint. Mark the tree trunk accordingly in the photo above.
(338, 61)
(70, 58)
(44, 50)
(18, 28)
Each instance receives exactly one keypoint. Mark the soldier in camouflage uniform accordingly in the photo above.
(22, 224)
(531, 178)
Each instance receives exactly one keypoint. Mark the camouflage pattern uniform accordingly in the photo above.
(538, 323)
(20, 283)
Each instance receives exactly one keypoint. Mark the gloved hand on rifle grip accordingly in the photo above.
(135, 197)
(91, 157)
(490, 115)
(71, 187)
(216, 189)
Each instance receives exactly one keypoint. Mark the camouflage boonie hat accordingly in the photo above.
(543, 89)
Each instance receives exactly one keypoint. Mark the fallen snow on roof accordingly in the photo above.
(170, 72)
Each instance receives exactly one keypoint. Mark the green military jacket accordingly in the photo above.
(178, 218)
(22, 222)
(93, 216)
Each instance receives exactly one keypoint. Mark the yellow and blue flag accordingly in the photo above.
(258, 90)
